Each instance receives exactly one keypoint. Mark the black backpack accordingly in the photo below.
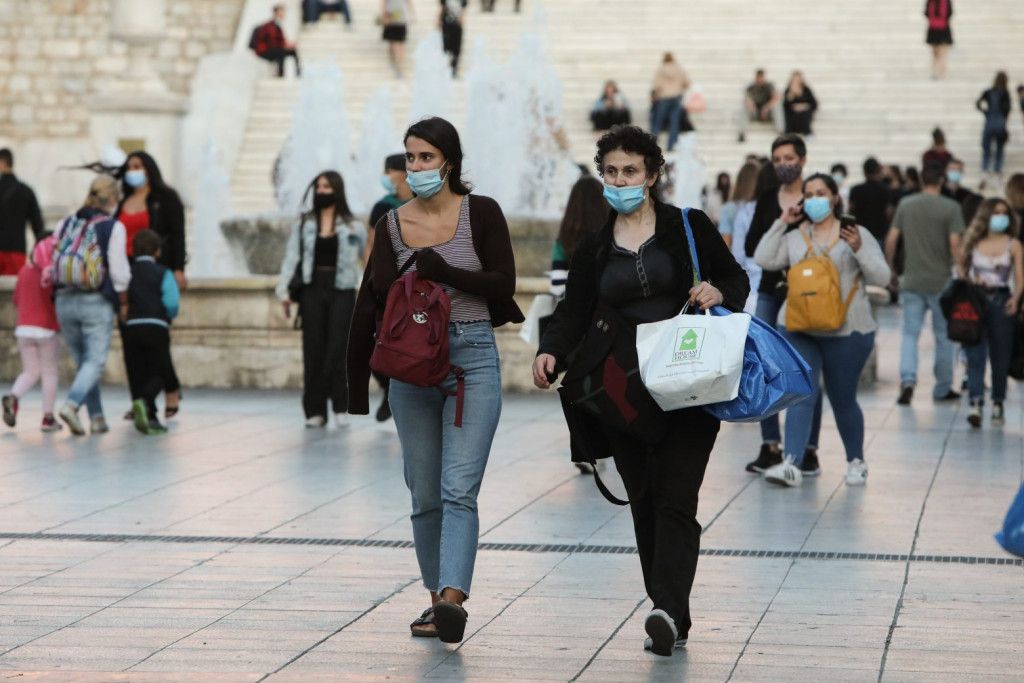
(253, 39)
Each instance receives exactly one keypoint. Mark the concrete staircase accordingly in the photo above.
(866, 61)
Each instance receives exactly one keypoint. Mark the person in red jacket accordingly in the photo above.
(36, 332)
(269, 43)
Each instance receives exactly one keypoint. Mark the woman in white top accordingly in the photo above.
(838, 355)
(990, 257)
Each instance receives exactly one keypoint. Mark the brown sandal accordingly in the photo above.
(424, 627)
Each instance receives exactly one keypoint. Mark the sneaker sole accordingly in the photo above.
(663, 641)
(450, 621)
(781, 481)
(811, 473)
(757, 469)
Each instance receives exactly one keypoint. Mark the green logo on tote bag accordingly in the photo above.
(688, 344)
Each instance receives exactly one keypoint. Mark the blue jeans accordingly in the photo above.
(915, 305)
(667, 113)
(996, 345)
(87, 323)
(768, 307)
(989, 137)
(840, 360)
(444, 464)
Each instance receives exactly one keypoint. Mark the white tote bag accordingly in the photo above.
(692, 360)
(543, 305)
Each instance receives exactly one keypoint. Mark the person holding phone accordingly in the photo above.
(838, 355)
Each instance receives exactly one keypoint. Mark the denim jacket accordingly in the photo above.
(351, 244)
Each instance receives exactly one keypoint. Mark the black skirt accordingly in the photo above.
(940, 36)
(395, 33)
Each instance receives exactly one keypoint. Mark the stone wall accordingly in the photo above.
(233, 334)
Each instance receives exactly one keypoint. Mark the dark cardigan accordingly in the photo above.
(167, 219)
(566, 338)
(496, 282)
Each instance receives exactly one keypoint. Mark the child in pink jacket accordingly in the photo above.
(36, 332)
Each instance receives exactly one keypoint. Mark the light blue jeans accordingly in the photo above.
(444, 464)
(87, 323)
(915, 305)
(840, 360)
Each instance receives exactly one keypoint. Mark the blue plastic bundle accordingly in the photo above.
(1012, 535)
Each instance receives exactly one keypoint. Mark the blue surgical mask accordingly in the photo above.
(426, 183)
(388, 184)
(839, 178)
(135, 178)
(954, 177)
(817, 208)
(626, 199)
(999, 223)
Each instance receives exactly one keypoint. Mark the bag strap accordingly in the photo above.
(693, 247)
(409, 262)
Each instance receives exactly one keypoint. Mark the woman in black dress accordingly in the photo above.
(940, 37)
(799, 105)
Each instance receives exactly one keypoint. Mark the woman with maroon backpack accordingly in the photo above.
(440, 277)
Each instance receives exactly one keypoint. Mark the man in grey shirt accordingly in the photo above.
(930, 226)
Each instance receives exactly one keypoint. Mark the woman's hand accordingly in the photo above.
(287, 306)
(430, 265)
(851, 235)
(543, 365)
(1012, 304)
(794, 214)
(706, 295)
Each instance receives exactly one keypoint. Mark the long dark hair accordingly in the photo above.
(154, 178)
(832, 186)
(767, 181)
(585, 212)
(337, 184)
(442, 134)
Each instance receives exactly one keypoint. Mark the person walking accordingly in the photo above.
(18, 208)
(151, 204)
(871, 202)
(152, 304)
(85, 309)
(996, 105)
(717, 197)
(313, 10)
(936, 155)
(461, 242)
(799, 105)
(930, 226)
(837, 355)
(324, 254)
(637, 269)
(954, 188)
(939, 13)
(670, 84)
(766, 181)
(395, 16)
(35, 330)
(789, 157)
(269, 43)
(741, 193)
(452, 22)
(990, 258)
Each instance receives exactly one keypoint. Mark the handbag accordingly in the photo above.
(963, 305)
(774, 377)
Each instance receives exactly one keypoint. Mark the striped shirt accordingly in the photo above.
(458, 252)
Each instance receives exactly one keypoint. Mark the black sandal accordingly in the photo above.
(451, 621)
(424, 627)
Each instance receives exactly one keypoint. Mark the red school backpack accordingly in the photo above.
(412, 342)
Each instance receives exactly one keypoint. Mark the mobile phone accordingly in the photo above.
(847, 221)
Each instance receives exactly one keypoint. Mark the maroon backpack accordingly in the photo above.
(412, 342)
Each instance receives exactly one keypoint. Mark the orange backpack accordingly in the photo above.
(815, 299)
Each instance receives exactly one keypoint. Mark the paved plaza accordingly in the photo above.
(242, 547)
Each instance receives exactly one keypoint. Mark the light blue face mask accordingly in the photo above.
(625, 199)
(999, 223)
(426, 183)
(388, 184)
(817, 208)
(135, 178)
(954, 177)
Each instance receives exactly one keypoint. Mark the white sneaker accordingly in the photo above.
(784, 474)
(856, 473)
(316, 422)
(341, 420)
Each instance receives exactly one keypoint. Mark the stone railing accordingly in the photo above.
(232, 333)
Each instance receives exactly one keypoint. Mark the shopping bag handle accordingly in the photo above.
(693, 247)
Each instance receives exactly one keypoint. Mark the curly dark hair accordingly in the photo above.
(634, 140)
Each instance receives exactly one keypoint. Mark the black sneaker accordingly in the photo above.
(810, 466)
(950, 396)
(768, 457)
(384, 411)
(906, 395)
(10, 404)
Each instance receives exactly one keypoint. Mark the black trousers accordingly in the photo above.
(326, 318)
(148, 358)
(662, 483)
(451, 39)
(171, 382)
(279, 54)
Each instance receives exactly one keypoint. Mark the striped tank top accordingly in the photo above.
(458, 252)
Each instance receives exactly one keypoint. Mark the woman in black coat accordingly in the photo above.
(637, 269)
